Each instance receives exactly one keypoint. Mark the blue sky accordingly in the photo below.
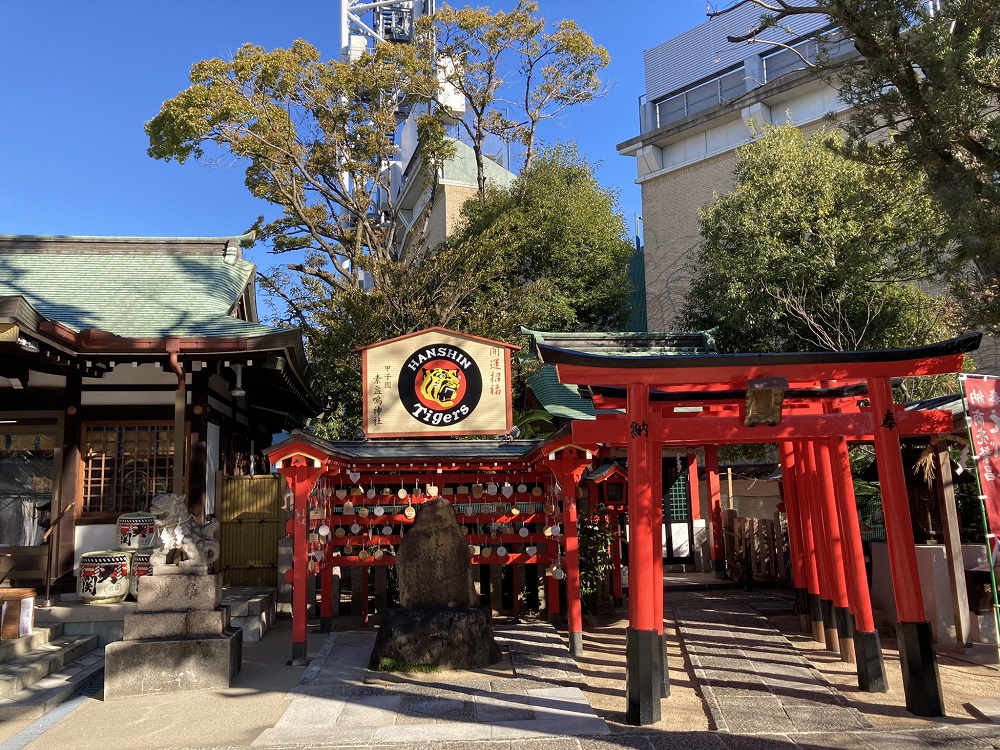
(81, 79)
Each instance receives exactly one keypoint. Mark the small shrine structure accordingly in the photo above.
(353, 500)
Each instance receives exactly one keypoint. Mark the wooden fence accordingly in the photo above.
(760, 544)
(252, 519)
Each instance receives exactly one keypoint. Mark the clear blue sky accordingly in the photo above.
(80, 79)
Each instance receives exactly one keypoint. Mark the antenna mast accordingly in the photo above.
(391, 21)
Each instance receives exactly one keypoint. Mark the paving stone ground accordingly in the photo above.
(332, 706)
(761, 694)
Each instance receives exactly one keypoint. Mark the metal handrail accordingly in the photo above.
(47, 602)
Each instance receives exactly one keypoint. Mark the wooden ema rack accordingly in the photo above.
(491, 524)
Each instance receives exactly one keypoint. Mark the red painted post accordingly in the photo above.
(921, 683)
(656, 495)
(302, 473)
(574, 612)
(552, 587)
(867, 645)
(656, 487)
(838, 578)
(822, 542)
(854, 553)
(642, 682)
(895, 505)
(693, 487)
(364, 595)
(808, 544)
(715, 508)
(326, 592)
(616, 559)
(791, 499)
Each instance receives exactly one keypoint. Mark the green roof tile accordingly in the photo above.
(558, 399)
(132, 287)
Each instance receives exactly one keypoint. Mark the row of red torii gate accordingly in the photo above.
(517, 499)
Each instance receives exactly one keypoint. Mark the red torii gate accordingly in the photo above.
(812, 430)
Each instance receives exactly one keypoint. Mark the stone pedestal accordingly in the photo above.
(446, 637)
(177, 640)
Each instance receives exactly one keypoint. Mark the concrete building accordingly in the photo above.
(703, 97)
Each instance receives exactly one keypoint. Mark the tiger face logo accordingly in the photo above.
(440, 385)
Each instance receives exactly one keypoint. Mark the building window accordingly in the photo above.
(26, 471)
(126, 465)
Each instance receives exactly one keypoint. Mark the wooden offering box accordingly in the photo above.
(17, 612)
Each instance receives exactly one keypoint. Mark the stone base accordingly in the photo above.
(643, 682)
(172, 666)
(141, 626)
(871, 667)
(446, 637)
(176, 593)
(921, 682)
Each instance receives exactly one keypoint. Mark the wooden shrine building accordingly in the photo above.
(130, 367)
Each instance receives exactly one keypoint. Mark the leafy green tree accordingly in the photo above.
(814, 251)
(549, 251)
(513, 70)
(317, 140)
(925, 92)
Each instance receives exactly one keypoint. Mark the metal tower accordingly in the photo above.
(391, 21)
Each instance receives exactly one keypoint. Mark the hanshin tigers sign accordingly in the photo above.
(436, 383)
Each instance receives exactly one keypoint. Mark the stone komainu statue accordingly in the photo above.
(186, 547)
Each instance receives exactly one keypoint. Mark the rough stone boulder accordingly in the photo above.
(433, 560)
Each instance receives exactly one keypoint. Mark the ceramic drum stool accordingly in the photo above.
(140, 567)
(136, 531)
(104, 576)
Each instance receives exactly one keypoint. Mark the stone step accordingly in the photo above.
(251, 608)
(48, 692)
(15, 647)
(22, 672)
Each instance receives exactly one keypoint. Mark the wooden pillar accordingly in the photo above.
(656, 487)
(715, 508)
(808, 545)
(197, 448)
(568, 469)
(326, 593)
(642, 681)
(944, 489)
(302, 473)
(574, 612)
(792, 513)
(867, 645)
(71, 484)
(835, 555)
(693, 487)
(921, 682)
(616, 559)
(552, 588)
(822, 544)
(364, 595)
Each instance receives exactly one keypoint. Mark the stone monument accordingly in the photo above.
(179, 638)
(436, 623)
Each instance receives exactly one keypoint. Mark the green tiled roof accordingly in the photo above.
(132, 287)
(558, 399)
(628, 343)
